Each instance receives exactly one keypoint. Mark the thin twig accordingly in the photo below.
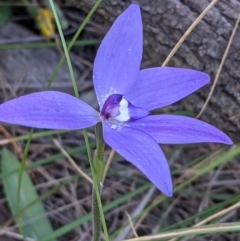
(217, 228)
(75, 166)
(214, 177)
(137, 210)
(131, 224)
(9, 140)
(15, 235)
(214, 216)
(189, 30)
(220, 67)
(16, 148)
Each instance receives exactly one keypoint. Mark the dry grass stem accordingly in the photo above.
(220, 67)
(224, 227)
(75, 166)
(16, 236)
(16, 148)
(139, 208)
(189, 30)
(131, 224)
(219, 214)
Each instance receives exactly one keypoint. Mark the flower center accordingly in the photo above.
(118, 108)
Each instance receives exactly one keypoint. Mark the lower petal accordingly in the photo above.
(142, 151)
(50, 110)
(174, 129)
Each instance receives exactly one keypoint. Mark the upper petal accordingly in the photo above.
(158, 87)
(117, 62)
(50, 110)
(142, 151)
(174, 129)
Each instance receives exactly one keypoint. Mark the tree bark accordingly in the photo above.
(164, 22)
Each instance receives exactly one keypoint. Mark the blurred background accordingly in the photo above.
(206, 176)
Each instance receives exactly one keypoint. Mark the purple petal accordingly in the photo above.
(50, 110)
(136, 112)
(158, 87)
(173, 129)
(117, 62)
(142, 151)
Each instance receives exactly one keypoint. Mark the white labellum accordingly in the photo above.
(124, 112)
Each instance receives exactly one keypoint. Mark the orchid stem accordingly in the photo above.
(98, 161)
(96, 220)
(96, 190)
(98, 166)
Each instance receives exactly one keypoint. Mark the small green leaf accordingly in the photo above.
(33, 222)
(5, 14)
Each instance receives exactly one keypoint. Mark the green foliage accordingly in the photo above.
(5, 14)
(33, 222)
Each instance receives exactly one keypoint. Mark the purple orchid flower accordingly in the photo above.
(126, 95)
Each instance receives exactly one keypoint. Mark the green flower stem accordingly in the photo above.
(98, 166)
(96, 189)
(98, 161)
(96, 220)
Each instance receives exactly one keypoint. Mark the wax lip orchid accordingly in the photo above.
(126, 95)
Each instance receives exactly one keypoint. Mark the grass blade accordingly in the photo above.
(37, 228)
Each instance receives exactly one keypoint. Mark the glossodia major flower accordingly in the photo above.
(126, 95)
